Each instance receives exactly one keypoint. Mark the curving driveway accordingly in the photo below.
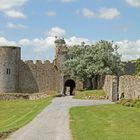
(53, 122)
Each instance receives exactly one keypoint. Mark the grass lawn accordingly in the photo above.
(90, 94)
(105, 122)
(17, 113)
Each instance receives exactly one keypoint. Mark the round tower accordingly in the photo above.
(9, 69)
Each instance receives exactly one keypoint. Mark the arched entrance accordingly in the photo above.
(69, 87)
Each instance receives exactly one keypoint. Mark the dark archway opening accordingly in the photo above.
(69, 87)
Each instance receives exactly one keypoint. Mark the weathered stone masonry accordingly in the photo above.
(9, 67)
(126, 86)
(38, 77)
(17, 76)
(129, 87)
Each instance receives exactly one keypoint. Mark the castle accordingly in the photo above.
(17, 76)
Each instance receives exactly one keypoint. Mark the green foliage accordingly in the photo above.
(87, 61)
(130, 103)
(137, 64)
(90, 94)
(17, 113)
(105, 122)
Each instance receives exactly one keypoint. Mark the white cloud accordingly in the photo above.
(77, 41)
(15, 26)
(51, 13)
(14, 14)
(108, 13)
(5, 42)
(39, 44)
(43, 44)
(48, 43)
(129, 49)
(9, 4)
(24, 42)
(87, 13)
(8, 8)
(102, 13)
(134, 3)
(56, 31)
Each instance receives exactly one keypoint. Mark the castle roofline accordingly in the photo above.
(13, 47)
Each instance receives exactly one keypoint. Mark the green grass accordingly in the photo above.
(90, 94)
(17, 113)
(105, 122)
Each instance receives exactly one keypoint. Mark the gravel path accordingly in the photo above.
(53, 122)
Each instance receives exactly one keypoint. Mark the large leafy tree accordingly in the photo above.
(90, 61)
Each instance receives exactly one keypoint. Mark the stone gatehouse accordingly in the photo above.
(18, 76)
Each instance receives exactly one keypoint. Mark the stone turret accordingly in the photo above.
(61, 51)
(9, 68)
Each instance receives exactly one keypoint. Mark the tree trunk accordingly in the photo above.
(91, 83)
(96, 81)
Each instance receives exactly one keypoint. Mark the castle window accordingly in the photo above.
(8, 71)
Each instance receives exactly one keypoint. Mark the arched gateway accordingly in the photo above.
(69, 87)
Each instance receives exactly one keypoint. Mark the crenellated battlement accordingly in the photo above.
(37, 76)
(29, 62)
(38, 62)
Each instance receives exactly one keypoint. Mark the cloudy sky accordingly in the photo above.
(32, 24)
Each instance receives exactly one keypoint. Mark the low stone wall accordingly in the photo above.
(129, 87)
(16, 96)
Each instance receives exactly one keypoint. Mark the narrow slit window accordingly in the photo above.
(8, 71)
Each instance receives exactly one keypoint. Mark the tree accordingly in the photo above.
(137, 65)
(90, 61)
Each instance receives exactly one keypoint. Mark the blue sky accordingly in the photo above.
(32, 24)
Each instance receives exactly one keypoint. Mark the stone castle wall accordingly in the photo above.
(129, 87)
(126, 86)
(17, 76)
(38, 77)
(41, 77)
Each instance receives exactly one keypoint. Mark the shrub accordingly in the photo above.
(130, 102)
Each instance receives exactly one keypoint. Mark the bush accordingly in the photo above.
(130, 102)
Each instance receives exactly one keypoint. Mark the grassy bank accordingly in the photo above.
(15, 114)
(90, 94)
(105, 122)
